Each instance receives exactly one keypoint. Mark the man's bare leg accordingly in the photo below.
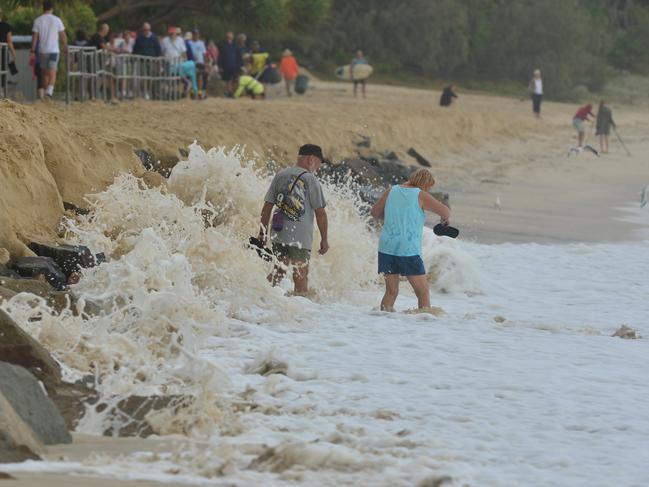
(301, 277)
(420, 286)
(278, 273)
(391, 292)
(581, 139)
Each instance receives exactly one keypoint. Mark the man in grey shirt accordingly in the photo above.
(297, 195)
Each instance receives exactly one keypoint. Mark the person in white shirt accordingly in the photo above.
(536, 88)
(173, 46)
(48, 29)
(198, 51)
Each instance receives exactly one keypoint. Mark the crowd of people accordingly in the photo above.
(245, 69)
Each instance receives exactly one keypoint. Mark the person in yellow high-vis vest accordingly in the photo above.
(249, 86)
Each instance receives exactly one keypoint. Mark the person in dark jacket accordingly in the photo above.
(603, 125)
(229, 63)
(447, 96)
(147, 44)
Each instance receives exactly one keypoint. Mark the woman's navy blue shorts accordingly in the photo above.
(411, 265)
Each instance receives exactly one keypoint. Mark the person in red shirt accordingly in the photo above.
(289, 69)
(578, 122)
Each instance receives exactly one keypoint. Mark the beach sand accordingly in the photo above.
(482, 148)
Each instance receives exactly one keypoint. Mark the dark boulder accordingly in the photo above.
(146, 158)
(35, 408)
(33, 267)
(17, 440)
(19, 348)
(70, 258)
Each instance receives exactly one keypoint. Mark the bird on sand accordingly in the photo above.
(497, 204)
(578, 150)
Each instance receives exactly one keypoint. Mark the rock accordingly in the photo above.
(22, 285)
(418, 157)
(5, 271)
(626, 333)
(17, 441)
(70, 400)
(6, 294)
(41, 266)
(70, 258)
(146, 158)
(154, 180)
(164, 165)
(131, 413)
(35, 408)
(5, 257)
(75, 209)
(183, 152)
(19, 348)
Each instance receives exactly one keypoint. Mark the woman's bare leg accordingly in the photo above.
(420, 286)
(391, 292)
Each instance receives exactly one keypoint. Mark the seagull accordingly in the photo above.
(643, 196)
(497, 204)
(578, 150)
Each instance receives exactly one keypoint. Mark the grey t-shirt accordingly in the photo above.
(298, 207)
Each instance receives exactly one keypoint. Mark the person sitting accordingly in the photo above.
(447, 96)
(249, 86)
(403, 207)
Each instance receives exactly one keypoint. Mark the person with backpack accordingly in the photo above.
(296, 195)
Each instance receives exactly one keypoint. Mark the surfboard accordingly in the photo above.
(361, 72)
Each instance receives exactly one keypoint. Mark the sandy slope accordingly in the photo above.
(482, 147)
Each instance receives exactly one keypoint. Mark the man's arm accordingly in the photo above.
(266, 210)
(323, 226)
(34, 42)
(64, 41)
(12, 49)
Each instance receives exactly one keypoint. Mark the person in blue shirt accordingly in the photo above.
(403, 207)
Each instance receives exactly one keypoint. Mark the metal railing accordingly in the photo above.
(93, 74)
(4, 69)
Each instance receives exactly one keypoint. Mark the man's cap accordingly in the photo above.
(195, 31)
(311, 150)
(171, 29)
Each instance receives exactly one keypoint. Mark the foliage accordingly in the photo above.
(75, 14)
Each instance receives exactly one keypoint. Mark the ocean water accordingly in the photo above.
(518, 382)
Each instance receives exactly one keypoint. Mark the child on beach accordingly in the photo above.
(403, 207)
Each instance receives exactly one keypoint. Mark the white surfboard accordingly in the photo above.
(361, 71)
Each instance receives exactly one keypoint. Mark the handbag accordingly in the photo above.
(278, 217)
(12, 68)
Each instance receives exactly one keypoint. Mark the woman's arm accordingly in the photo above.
(429, 203)
(379, 206)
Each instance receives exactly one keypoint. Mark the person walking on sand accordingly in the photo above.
(536, 88)
(47, 31)
(289, 70)
(603, 126)
(297, 194)
(578, 122)
(403, 207)
(359, 59)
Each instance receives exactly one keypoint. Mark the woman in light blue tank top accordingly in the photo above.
(403, 210)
